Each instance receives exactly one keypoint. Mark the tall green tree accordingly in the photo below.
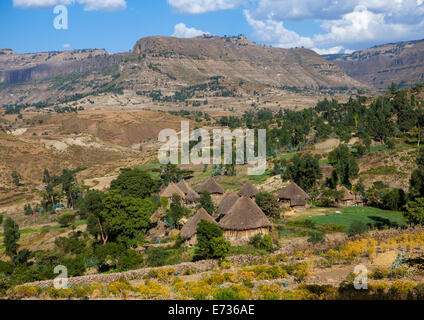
(344, 163)
(11, 237)
(175, 212)
(206, 202)
(304, 170)
(125, 219)
(210, 241)
(268, 203)
(135, 183)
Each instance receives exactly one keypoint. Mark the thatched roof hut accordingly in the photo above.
(294, 194)
(190, 228)
(230, 198)
(171, 190)
(248, 190)
(244, 220)
(191, 195)
(211, 186)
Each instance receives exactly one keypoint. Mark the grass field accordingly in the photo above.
(372, 216)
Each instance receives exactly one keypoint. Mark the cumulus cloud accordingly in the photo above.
(182, 31)
(344, 24)
(352, 23)
(273, 32)
(202, 6)
(89, 5)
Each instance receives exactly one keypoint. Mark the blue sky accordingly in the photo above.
(323, 25)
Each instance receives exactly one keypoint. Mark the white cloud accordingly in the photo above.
(344, 24)
(182, 31)
(66, 46)
(89, 5)
(273, 32)
(202, 6)
(333, 50)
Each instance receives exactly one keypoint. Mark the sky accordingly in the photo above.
(326, 26)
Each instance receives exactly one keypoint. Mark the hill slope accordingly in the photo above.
(166, 64)
(402, 63)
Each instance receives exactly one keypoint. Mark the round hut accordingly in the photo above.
(248, 190)
(230, 198)
(191, 195)
(348, 199)
(213, 188)
(293, 197)
(244, 220)
(170, 190)
(188, 232)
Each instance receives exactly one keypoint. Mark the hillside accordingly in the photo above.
(166, 65)
(379, 66)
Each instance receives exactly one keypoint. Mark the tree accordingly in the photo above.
(206, 202)
(90, 207)
(16, 178)
(344, 163)
(11, 237)
(135, 183)
(416, 183)
(210, 242)
(66, 219)
(304, 170)
(175, 212)
(268, 203)
(171, 173)
(415, 212)
(125, 219)
(28, 210)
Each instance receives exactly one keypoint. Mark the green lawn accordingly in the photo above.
(371, 216)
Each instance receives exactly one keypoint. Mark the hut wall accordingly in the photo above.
(192, 241)
(235, 236)
(285, 204)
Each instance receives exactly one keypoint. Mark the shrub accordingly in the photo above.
(119, 288)
(379, 273)
(66, 219)
(316, 237)
(157, 257)
(357, 228)
(228, 294)
(266, 243)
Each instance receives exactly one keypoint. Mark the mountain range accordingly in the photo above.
(167, 65)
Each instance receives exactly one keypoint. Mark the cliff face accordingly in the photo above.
(17, 68)
(167, 64)
(402, 63)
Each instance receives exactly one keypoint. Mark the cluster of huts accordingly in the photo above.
(237, 212)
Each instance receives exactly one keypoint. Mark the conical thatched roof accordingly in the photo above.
(171, 190)
(211, 186)
(295, 194)
(184, 186)
(192, 196)
(244, 215)
(248, 190)
(230, 198)
(190, 228)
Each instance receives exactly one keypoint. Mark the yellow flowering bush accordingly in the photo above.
(154, 290)
(119, 288)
